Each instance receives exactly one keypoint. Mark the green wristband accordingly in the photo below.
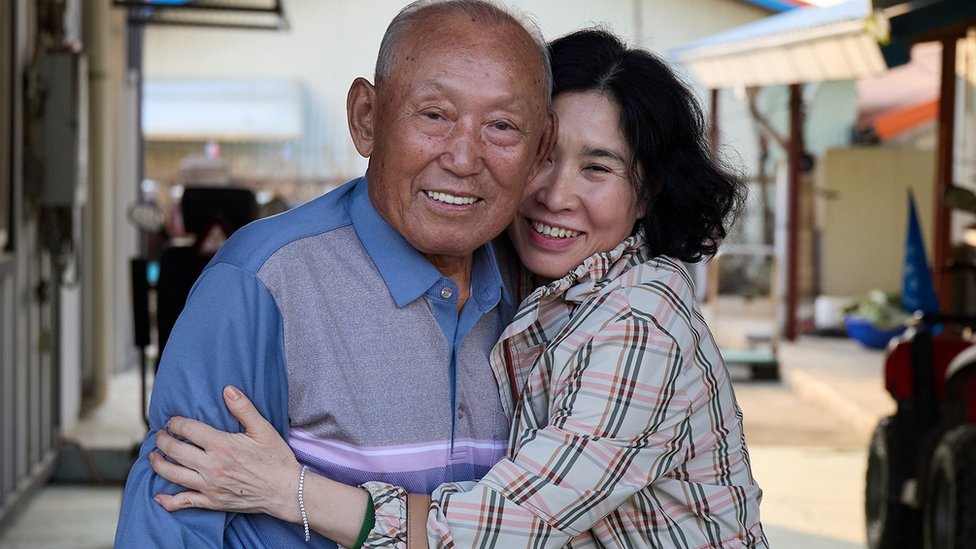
(368, 522)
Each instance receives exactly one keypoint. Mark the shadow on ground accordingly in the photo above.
(779, 536)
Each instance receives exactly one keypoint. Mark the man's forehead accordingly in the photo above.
(492, 51)
(447, 32)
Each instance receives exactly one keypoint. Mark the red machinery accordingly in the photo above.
(921, 475)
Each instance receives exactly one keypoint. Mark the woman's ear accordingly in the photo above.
(546, 144)
(361, 114)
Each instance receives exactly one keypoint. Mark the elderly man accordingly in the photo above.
(361, 322)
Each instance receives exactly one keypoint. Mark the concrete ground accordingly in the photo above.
(809, 443)
(807, 436)
(812, 497)
(64, 515)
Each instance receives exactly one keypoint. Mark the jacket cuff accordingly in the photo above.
(390, 504)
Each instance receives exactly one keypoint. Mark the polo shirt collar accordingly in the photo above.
(407, 273)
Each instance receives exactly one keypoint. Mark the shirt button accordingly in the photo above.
(461, 411)
(446, 292)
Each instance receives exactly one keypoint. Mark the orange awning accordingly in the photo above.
(897, 121)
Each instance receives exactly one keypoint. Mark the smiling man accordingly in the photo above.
(361, 323)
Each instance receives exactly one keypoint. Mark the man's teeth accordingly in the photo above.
(555, 232)
(451, 199)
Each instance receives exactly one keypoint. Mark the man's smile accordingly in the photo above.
(451, 199)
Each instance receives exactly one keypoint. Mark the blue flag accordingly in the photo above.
(917, 291)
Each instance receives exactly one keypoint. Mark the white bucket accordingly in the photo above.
(828, 311)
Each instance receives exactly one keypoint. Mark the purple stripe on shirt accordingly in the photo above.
(417, 482)
(398, 458)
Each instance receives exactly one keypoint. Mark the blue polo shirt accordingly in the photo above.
(349, 341)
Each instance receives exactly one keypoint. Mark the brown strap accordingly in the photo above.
(417, 507)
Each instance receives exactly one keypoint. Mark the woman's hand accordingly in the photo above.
(250, 472)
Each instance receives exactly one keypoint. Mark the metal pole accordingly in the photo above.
(943, 178)
(712, 269)
(794, 158)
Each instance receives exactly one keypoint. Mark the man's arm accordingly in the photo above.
(230, 332)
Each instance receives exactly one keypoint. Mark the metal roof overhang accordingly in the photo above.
(911, 21)
(802, 45)
(229, 14)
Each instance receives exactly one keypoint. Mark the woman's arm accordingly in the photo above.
(618, 420)
(252, 472)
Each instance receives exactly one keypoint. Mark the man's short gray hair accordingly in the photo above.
(486, 10)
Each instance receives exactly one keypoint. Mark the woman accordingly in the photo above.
(625, 429)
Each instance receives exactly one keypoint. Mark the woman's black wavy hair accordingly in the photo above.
(690, 199)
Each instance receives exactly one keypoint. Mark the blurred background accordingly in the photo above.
(137, 135)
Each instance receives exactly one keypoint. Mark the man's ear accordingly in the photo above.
(546, 144)
(361, 114)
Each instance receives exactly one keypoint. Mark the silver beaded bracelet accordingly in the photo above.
(301, 501)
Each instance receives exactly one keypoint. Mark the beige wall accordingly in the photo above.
(331, 43)
(865, 215)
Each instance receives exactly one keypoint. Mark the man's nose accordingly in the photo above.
(464, 154)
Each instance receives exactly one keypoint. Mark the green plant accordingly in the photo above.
(882, 309)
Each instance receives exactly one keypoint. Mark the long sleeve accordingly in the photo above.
(618, 419)
(228, 333)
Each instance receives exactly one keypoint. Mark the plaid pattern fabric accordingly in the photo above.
(625, 429)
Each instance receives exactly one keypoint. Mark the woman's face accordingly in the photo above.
(583, 201)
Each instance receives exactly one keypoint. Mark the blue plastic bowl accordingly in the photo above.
(868, 335)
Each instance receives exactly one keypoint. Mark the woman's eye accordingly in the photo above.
(598, 168)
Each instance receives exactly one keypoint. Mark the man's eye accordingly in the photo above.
(432, 115)
(598, 168)
(502, 125)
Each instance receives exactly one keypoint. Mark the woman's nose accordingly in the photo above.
(558, 192)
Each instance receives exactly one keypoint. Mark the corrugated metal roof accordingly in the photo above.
(778, 5)
(802, 45)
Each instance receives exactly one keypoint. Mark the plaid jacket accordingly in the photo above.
(625, 429)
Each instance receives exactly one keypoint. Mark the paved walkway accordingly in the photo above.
(837, 373)
(64, 516)
(845, 378)
(813, 497)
